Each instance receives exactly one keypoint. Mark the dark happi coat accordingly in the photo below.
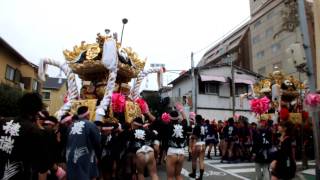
(83, 148)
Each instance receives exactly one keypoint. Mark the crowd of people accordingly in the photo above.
(35, 145)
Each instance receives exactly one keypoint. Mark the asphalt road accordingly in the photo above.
(216, 170)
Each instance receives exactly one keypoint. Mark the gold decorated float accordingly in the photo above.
(105, 68)
(284, 94)
(85, 61)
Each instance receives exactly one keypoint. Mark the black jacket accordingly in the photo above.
(22, 149)
(262, 146)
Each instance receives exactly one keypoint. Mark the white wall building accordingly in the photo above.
(214, 89)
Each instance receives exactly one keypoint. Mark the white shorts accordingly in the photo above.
(175, 151)
(200, 143)
(144, 149)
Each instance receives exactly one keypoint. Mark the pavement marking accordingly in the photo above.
(236, 169)
(233, 165)
(312, 163)
(212, 161)
(186, 173)
(213, 173)
(227, 172)
(244, 170)
(309, 172)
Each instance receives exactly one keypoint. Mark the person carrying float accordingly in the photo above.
(140, 143)
(199, 148)
(177, 141)
(109, 151)
(83, 147)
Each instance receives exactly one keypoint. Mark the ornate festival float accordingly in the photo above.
(278, 98)
(105, 68)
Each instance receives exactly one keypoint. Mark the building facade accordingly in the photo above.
(274, 26)
(53, 93)
(261, 44)
(234, 47)
(214, 91)
(16, 71)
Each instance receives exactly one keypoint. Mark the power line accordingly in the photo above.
(225, 35)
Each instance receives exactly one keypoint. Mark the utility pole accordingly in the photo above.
(233, 87)
(194, 94)
(312, 81)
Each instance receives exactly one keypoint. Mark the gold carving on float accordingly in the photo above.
(277, 77)
(93, 51)
(85, 61)
(77, 50)
(132, 111)
(90, 103)
(91, 67)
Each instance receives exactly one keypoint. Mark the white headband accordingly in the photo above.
(138, 124)
(174, 118)
(49, 122)
(66, 119)
(84, 114)
(107, 128)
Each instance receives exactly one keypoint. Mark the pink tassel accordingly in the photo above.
(143, 105)
(118, 102)
(260, 106)
(192, 115)
(165, 117)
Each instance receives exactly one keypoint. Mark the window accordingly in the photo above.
(179, 92)
(208, 87)
(275, 47)
(269, 32)
(262, 71)
(260, 55)
(222, 50)
(46, 95)
(277, 66)
(256, 24)
(241, 89)
(17, 76)
(256, 39)
(35, 85)
(10, 73)
(211, 88)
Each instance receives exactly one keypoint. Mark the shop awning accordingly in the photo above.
(212, 78)
(244, 81)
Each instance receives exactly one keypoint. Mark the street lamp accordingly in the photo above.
(124, 21)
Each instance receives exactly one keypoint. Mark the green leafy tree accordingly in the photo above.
(9, 97)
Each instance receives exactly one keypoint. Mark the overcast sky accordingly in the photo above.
(165, 31)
